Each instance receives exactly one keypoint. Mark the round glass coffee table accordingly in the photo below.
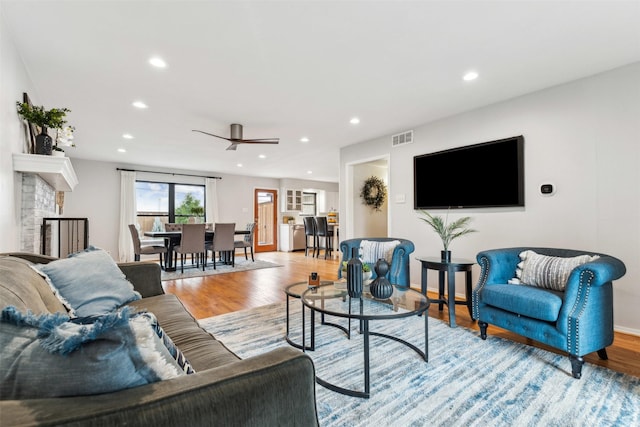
(334, 301)
(295, 291)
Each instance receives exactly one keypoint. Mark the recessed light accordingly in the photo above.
(304, 139)
(309, 172)
(121, 150)
(239, 165)
(471, 75)
(354, 121)
(262, 156)
(139, 104)
(157, 62)
(127, 136)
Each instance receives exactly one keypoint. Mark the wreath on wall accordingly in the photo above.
(373, 192)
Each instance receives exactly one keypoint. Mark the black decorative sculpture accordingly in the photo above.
(354, 275)
(381, 288)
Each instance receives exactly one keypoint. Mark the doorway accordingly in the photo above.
(265, 203)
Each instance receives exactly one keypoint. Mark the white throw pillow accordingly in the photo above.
(371, 251)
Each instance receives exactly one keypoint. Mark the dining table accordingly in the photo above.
(172, 239)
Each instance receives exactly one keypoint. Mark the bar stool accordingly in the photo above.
(323, 232)
(310, 231)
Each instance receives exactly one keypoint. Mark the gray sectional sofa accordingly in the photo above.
(274, 389)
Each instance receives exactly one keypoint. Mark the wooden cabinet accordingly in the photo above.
(292, 200)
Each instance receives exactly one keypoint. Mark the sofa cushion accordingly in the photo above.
(547, 271)
(33, 293)
(175, 352)
(530, 301)
(51, 355)
(90, 281)
(371, 251)
(201, 349)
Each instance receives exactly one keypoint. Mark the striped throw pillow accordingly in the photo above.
(547, 271)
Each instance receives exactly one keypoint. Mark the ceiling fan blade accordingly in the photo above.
(233, 147)
(210, 134)
(261, 141)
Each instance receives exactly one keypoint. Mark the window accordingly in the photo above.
(161, 202)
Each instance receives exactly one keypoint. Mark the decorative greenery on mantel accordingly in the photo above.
(374, 192)
(54, 118)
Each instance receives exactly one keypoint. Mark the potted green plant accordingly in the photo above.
(447, 231)
(54, 118)
(366, 270)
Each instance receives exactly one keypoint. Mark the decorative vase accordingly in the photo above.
(445, 256)
(44, 143)
(381, 288)
(354, 275)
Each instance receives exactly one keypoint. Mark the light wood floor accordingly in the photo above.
(224, 293)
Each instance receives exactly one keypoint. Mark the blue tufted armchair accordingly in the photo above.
(578, 320)
(398, 270)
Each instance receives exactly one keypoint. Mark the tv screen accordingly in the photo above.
(484, 175)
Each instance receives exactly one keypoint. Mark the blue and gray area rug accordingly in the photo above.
(241, 265)
(467, 382)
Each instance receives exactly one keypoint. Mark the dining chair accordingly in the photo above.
(223, 242)
(247, 241)
(172, 226)
(310, 232)
(192, 242)
(324, 234)
(139, 249)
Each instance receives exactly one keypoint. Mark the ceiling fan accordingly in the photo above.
(236, 137)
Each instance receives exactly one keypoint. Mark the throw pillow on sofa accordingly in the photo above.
(547, 272)
(89, 282)
(51, 355)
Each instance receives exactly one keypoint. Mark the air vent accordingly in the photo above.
(402, 138)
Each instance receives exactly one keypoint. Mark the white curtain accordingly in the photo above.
(211, 208)
(128, 213)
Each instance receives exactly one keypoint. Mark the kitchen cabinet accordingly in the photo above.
(292, 200)
(292, 237)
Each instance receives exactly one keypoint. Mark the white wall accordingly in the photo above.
(582, 136)
(14, 81)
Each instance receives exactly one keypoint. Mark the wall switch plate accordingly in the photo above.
(400, 198)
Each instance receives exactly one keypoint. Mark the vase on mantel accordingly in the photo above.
(44, 143)
(445, 256)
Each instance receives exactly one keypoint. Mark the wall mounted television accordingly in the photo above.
(486, 175)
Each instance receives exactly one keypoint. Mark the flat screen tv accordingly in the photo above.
(490, 174)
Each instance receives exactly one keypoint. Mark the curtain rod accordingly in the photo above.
(169, 173)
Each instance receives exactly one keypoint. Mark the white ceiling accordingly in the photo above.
(292, 69)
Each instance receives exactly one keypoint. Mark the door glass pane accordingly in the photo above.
(189, 203)
(266, 211)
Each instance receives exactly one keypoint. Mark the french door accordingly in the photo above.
(266, 217)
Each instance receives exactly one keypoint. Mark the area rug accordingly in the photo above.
(467, 381)
(241, 265)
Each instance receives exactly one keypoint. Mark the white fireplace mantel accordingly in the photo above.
(57, 171)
